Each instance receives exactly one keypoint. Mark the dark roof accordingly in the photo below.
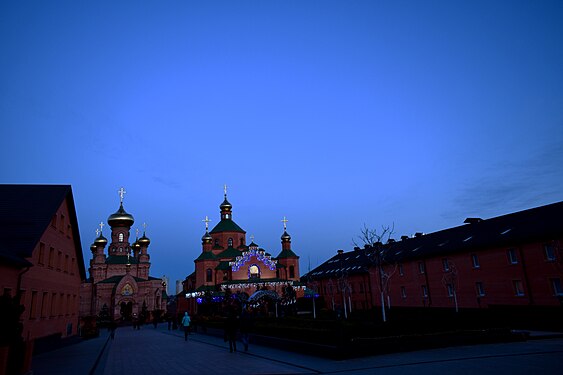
(117, 279)
(206, 255)
(231, 252)
(25, 213)
(341, 264)
(121, 259)
(537, 224)
(223, 266)
(226, 225)
(287, 253)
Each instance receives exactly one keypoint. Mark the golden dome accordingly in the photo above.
(136, 246)
(206, 237)
(93, 247)
(285, 236)
(144, 240)
(121, 218)
(101, 240)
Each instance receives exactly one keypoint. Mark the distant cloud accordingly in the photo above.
(513, 186)
(167, 182)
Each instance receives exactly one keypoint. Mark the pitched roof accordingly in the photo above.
(226, 225)
(25, 213)
(287, 253)
(231, 252)
(536, 224)
(223, 266)
(206, 255)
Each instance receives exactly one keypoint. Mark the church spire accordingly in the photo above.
(226, 207)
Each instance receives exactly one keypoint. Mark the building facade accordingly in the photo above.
(510, 260)
(227, 264)
(41, 263)
(120, 284)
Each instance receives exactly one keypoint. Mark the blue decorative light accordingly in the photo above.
(240, 260)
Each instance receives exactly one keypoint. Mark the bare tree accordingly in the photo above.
(450, 280)
(377, 246)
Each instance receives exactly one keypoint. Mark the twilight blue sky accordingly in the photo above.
(335, 114)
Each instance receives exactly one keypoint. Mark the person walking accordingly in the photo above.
(245, 326)
(231, 327)
(186, 324)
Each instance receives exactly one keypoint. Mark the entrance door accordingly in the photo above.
(126, 310)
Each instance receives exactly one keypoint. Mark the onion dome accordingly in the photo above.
(285, 236)
(206, 237)
(100, 241)
(93, 247)
(121, 218)
(136, 246)
(144, 241)
(226, 205)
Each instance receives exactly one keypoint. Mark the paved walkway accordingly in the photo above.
(159, 351)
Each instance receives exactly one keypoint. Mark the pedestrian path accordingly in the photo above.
(163, 351)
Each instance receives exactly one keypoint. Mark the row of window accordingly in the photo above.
(55, 259)
(511, 254)
(51, 304)
(555, 283)
(60, 222)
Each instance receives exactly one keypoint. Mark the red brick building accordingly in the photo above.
(226, 263)
(41, 260)
(510, 260)
(119, 281)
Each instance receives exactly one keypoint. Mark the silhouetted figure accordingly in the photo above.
(246, 320)
(231, 327)
(112, 328)
(186, 324)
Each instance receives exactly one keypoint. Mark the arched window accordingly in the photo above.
(208, 275)
(225, 276)
(253, 272)
(291, 272)
(230, 242)
(120, 237)
(216, 242)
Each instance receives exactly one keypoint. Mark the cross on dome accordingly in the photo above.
(101, 225)
(252, 238)
(284, 221)
(97, 232)
(225, 190)
(207, 221)
(121, 192)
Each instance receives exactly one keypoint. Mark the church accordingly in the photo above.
(120, 286)
(227, 265)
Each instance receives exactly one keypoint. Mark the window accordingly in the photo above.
(450, 289)
(225, 276)
(217, 243)
(54, 304)
(549, 253)
(421, 267)
(254, 272)
(475, 261)
(120, 237)
(41, 253)
(479, 288)
(518, 289)
(401, 271)
(59, 260)
(62, 223)
(208, 275)
(33, 307)
(445, 265)
(424, 291)
(66, 264)
(44, 303)
(556, 287)
(403, 292)
(512, 258)
(51, 257)
(291, 272)
(230, 242)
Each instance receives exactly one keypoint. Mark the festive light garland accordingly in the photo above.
(240, 260)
